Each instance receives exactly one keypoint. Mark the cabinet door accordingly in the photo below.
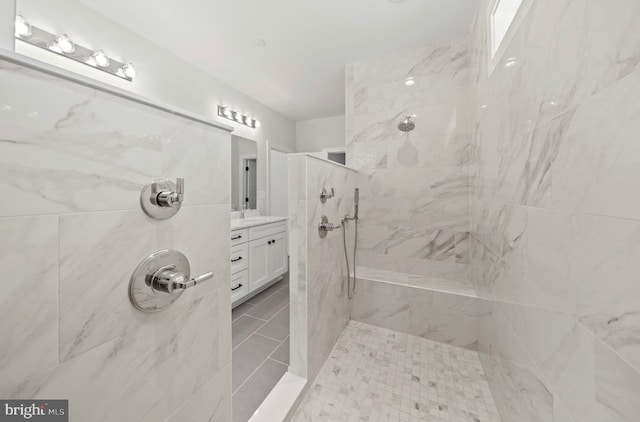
(259, 273)
(239, 258)
(239, 285)
(278, 255)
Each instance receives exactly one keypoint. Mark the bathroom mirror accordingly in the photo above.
(244, 174)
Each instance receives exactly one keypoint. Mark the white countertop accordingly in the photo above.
(244, 223)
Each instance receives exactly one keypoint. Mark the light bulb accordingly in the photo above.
(23, 27)
(128, 70)
(256, 123)
(237, 117)
(226, 112)
(100, 59)
(63, 44)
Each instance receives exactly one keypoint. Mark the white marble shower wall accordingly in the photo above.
(318, 275)
(555, 239)
(415, 205)
(72, 163)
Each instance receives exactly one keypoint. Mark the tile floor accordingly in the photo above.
(260, 347)
(374, 374)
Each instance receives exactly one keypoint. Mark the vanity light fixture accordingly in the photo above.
(23, 27)
(226, 112)
(63, 45)
(98, 58)
(128, 71)
(236, 116)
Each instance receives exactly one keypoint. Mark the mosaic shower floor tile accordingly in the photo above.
(374, 374)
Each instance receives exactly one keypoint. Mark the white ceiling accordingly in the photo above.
(300, 71)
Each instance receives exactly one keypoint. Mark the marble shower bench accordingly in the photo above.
(447, 311)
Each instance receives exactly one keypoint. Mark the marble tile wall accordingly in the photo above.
(554, 221)
(415, 204)
(72, 164)
(318, 281)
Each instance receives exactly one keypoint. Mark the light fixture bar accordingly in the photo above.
(48, 41)
(236, 116)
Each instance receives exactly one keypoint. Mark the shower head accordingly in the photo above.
(406, 125)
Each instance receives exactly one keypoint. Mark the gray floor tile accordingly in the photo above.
(255, 390)
(249, 356)
(277, 327)
(271, 306)
(240, 310)
(266, 358)
(263, 295)
(282, 352)
(243, 327)
(283, 286)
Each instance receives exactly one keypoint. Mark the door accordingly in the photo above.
(259, 273)
(278, 255)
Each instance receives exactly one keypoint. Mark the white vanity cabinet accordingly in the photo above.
(278, 255)
(259, 256)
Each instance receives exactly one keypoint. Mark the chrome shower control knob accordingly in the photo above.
(324, 226)
(168, 280)
(324, 195)
(162, 199)
(160, 279)
(168, 198)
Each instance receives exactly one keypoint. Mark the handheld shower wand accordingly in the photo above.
(356, 202)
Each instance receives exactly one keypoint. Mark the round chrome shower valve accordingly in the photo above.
(160, 279)
(162, 199)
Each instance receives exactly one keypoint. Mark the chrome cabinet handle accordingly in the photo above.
(237, 259)
(237, 287)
